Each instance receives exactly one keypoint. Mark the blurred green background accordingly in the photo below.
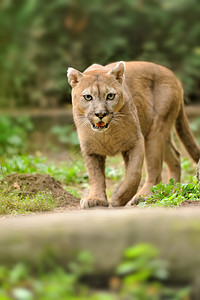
(40, 39)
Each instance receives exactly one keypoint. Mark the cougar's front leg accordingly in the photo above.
(133, 163)
(96, 171)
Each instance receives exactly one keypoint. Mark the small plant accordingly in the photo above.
(172, 194)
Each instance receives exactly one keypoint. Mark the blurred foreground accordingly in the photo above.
(164, 251)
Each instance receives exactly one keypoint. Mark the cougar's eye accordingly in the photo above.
(110, 96)
(87, 97)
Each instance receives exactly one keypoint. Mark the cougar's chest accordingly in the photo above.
(109, 143)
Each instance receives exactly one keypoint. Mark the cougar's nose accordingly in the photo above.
(100, 115)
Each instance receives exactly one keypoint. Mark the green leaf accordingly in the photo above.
(19, 272)
(22, 294)
(140, 276)
(141, 249)
(126, 267)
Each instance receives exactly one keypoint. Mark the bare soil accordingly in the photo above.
(190, 203)
(30, 184)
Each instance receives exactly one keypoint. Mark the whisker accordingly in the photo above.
(119, 114)
(84, 122)
(80, 115)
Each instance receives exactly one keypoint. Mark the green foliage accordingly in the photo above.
(143, 275)
(40, 39)
(74, 192)
(195, 126)
(18, 283)
(13, 202)
(73, 172)
(14, 134)
(188, 169)
(171, 194)
(114, 173)
(140, 264)
(65, 172)
(66, 135)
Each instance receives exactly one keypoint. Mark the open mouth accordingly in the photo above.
(100, 125)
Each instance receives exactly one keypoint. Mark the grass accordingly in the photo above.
(73, 172)
(73, 191)
(74, 175)
(67, 173)
(13, 202)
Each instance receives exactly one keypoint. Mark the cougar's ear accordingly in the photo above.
(118, 71)
(73, 76)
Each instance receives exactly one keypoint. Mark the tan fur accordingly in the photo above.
(148, 101)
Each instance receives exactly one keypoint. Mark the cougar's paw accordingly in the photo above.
(92, 202)
(135, 201)
(116, 203)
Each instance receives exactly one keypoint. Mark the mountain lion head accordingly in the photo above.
(97, 95)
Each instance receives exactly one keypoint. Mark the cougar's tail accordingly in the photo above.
(185, 134)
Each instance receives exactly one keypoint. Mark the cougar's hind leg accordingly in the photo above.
(166, 104)
(154, 149)
(172, 159)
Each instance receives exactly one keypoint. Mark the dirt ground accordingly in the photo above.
(190, 203)
(30, 184)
